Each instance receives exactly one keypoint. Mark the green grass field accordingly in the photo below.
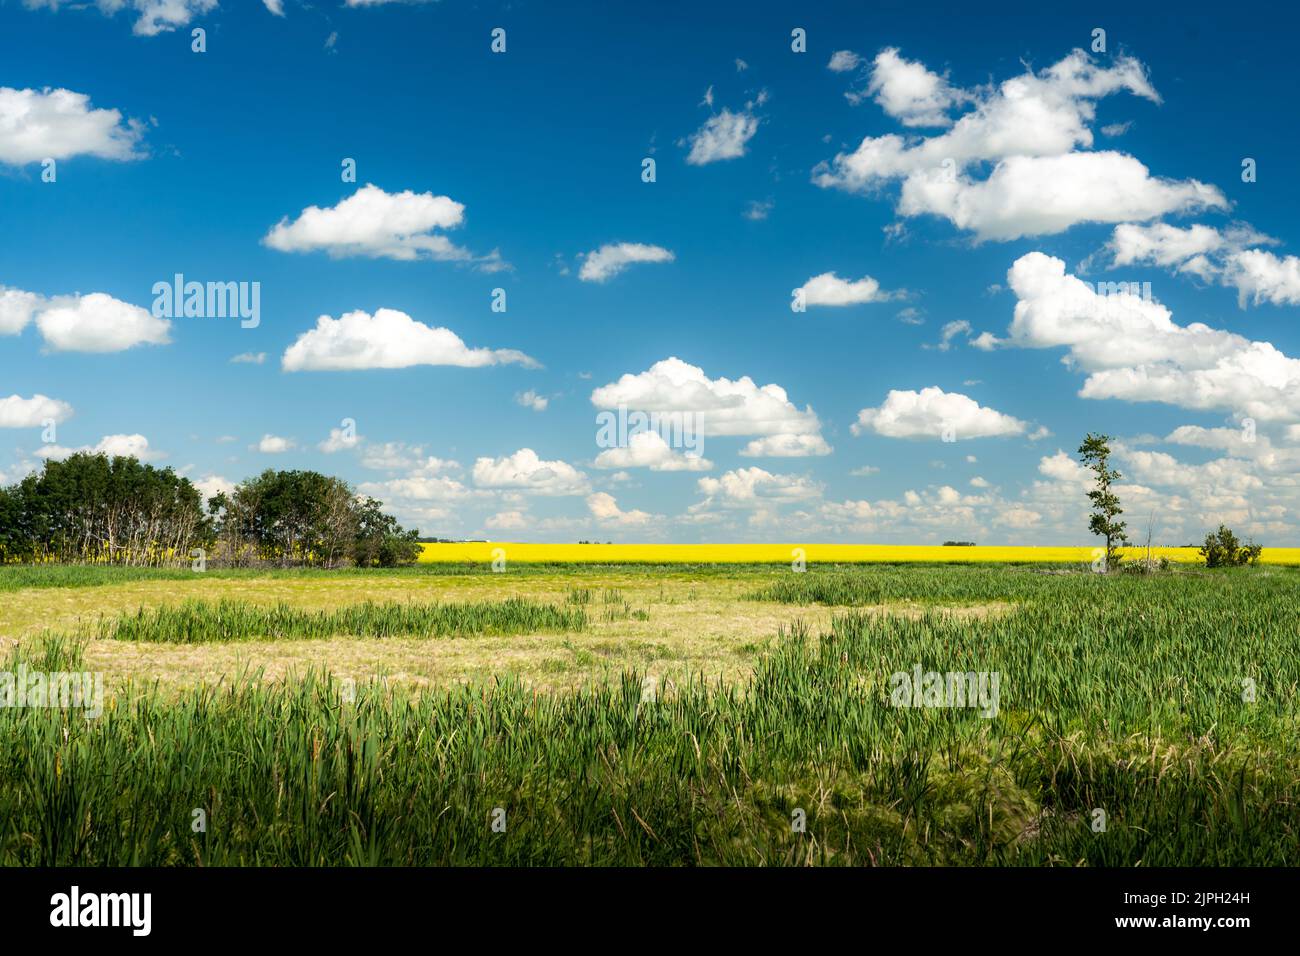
(677, 715)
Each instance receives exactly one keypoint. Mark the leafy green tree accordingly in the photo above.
(1095, 454)
(1223, 550)
(380, 540)
(15, 542)
(93, 508)
(287, 518)
(304, 517)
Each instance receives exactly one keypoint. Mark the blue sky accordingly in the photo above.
(896, 172)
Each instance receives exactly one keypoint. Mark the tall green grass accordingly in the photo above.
(203, 622)
(1128, 699)
(14, 577)
(931, 584)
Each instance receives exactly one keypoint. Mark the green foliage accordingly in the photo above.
(97, 509)
(201, 622)
(933, 584)
(18, 576)
(1095, 454)
(285, 518)
(1222, 550)
(1147, 566)
(291, 518)
(380, 541)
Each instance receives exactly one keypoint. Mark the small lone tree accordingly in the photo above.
(1095, 453)
(1223, 550)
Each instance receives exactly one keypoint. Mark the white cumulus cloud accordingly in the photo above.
(1033, 133)
(275, 445)
(530, 399)
(513, 520)
(753, 487)
(340, 439)
(1133, 350)
(34, 412)
(723, 136)
(931, 412)
(387, 339)
(124, 446)
(1222, 256)
(525, 471)
(604, 508)
(910, 93)
(60, 124)
(98, 323)
(17, 309)
(786, 446)
(376, 224)
(611, 259)
(718, 406)
(649, 449)
(425, 481)
(830, 289)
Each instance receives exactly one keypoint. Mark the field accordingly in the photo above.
(662, 714)
(595, 553)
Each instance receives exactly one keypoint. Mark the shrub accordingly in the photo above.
(1223, 550)
(1146, 566)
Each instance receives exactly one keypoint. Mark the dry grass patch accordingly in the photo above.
(670, 627)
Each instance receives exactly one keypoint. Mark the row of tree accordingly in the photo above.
(96, 509)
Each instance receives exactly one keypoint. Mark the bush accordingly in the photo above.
(1223, 550)
(1146, 566)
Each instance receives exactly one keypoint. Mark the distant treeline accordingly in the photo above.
(101, 510)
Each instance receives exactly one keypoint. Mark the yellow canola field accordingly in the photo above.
(534, 553)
